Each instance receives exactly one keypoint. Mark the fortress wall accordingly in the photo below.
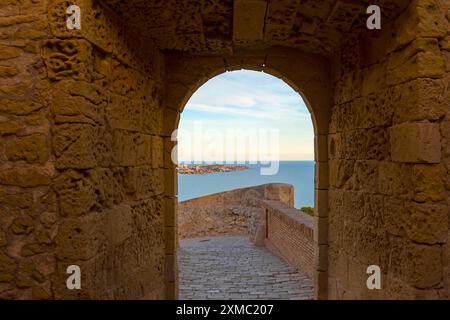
(81, 155)
(86, 176)
(444, 46)
(388, 159)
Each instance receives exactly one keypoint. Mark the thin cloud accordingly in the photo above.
(252, 95)
(248, 99)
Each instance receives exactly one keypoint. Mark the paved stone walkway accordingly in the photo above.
(233, 268)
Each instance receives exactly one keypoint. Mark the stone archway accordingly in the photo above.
(86, 116)
(307, 74)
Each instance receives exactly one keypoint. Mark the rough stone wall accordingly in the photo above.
(229, 213)
(235, 212)
(81, 177)
(290, 235)
(85, 170)
(444, 46)
(389, 156)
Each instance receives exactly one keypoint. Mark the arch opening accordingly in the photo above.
(267, 230)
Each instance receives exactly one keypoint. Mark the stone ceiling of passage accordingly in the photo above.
(222, 26)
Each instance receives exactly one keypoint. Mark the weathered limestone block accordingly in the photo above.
(33, 248)
(189, 70)
(446, 56)
(352, 209)
(341, 172)
(27, 275)
(3, 239)
(32, 148)
(366, 176)
(373, 210)
(119, 224)
(445, 130)
(426, 223)
(7, 52)
(76, 194)
(125, 113)
(415, 143)
(8, 127)
(400, 265)
(22, 225)
(374, 79)
(393, 215)
(349, 87)
(40, 293)
(377, 146)
(280, 192)
(31, 33)
(45, 201)
(8, 71)
(98, 24)
(68, 59)
(158, 183)
(149, 215)
(25, 176)
(25, 8)
(75, 145)
(131, 149)
(335, 146)
(19, 107)
(101, 26)
(421, 59)
(16, 198)
(354, 144)
(7, 267)
(249, 19)
(157, 152)
(89, 281)
(127, 81)
(423, 18)
(107, 189)
(344, 117)
(169, 153)
(395, 179)
(77, 102)
(141, 182)
(48, 219)
(375, 110)
(428, 182)
(423, 265)
(152, 120)
(171, 120)
(80, 238)
(421, 99)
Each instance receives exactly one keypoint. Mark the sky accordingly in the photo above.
(245, 110)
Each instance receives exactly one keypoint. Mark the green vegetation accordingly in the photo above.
(308, 210)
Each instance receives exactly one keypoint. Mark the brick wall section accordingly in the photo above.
(290, 235)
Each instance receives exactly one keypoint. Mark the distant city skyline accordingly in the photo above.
(250, 101)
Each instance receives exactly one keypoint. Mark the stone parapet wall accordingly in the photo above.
(229, 213)
(290, 235)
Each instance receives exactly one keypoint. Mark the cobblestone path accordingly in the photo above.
(233, 268)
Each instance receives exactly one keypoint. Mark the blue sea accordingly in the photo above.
(298, 173)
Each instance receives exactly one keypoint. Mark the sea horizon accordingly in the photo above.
(299, 173)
